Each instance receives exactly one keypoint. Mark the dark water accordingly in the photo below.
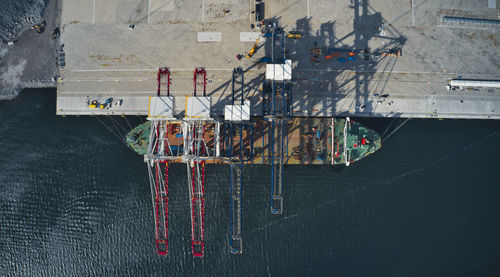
(76, 202)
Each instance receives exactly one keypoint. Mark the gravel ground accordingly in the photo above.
(30, 63)
(18, 15)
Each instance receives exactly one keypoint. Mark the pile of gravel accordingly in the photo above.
(18, 15)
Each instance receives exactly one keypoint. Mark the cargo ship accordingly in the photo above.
(318, 141)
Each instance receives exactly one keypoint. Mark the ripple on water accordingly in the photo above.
(76, 201)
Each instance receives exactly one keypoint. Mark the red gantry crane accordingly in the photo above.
(195, 148)
(192, 140)
(160, 148)
(164, 82)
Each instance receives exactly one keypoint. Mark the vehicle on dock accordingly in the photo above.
(93, 104)
(39, 28)
(471, 84)
(294, 35)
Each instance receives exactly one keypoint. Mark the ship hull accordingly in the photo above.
(309, 141)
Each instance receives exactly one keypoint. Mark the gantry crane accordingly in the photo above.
(277, 111)
(192, 140)
(201, 143)
(159, 150)
(238, 152)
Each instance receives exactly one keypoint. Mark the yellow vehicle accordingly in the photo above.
(39, 27)
(252, 51)
(93, 104)
(294, 35)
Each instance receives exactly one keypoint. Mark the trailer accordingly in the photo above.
(454, 84)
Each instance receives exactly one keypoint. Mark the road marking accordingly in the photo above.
(202, 10)
(308, 8)
(464, 27)
(300, 70)
(412, 14)
(209, 36)
(93, 14)
(149, 9)
(393, 71)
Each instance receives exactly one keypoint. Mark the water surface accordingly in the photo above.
(75, 201)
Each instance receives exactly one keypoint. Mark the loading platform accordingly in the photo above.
(345, 59)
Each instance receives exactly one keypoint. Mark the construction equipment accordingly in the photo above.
(252, 51)
(294, 35)
(106, 103)
(395, 52)
(93, 104)
(316, 51)
(331, 55)
(39, 28)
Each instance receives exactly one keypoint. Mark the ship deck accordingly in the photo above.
(308, 141)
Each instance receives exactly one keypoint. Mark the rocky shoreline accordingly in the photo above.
(30, 62)
(15, 91)
(18, 16)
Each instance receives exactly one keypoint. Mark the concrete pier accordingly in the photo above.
(104, 58)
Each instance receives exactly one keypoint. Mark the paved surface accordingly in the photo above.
(104, 58)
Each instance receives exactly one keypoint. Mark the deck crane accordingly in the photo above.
(278, 96)
(237, 116)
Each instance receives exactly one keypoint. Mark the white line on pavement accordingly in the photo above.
(202, 10)
(412, 13)
(464, 27)
(308, 8)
